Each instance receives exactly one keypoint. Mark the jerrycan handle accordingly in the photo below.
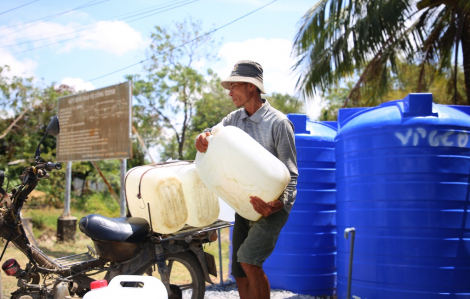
(200, 156)
(215, 130)
(118, 281)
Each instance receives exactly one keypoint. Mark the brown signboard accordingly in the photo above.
(96, 125)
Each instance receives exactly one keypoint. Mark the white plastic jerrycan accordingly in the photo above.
(202, 204)
(160, 187)
(149, 287)
(236, 167)
(227, 213)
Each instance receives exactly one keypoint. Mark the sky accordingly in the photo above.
(73, 43)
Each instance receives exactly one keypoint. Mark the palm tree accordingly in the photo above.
(367, 38)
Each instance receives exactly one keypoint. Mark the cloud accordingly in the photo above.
(78, 84)
(111, 36)
(20, 68)
(274, 56)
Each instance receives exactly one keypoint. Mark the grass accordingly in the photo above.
(213, 248)
(46, 239)
(48, 218)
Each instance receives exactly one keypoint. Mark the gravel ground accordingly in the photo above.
(231, 292)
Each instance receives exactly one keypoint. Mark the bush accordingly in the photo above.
(101, 203)
(38, 220)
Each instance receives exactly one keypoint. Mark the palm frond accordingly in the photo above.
(332, 46)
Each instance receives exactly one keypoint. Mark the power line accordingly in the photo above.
(47, 18)
(1, 13)
(55, 15)
(72, 38)
(160, 6)
(183, 44)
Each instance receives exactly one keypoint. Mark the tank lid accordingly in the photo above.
(418, 104)
(300, 123)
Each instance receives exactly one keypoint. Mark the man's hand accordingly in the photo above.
(266, 208)
(201, 142)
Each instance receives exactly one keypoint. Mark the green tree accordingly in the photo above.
(31, 109)
(285, 103)
(335, 100)
(210, 110)
(365, 38)
(167, 94)
(400, 85)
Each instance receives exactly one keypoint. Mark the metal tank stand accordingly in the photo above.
(351, 230)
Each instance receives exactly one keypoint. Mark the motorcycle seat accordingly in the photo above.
(122, 229)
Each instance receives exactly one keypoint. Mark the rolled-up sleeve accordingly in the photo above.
(284, 141)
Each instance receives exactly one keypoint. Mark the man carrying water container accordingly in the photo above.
(254, 241)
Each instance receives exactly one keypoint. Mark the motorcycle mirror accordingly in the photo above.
(53, 127)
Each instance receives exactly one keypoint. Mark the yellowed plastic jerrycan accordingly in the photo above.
(202, 204)
(235, 167)
(160, 188)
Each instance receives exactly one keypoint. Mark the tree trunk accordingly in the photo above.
(14, 123)
(466, 55)
(110, 188)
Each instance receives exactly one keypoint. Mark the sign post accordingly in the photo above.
(95, 125)
(66, 224)
(123, 185)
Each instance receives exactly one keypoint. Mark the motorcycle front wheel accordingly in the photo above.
(185, 273)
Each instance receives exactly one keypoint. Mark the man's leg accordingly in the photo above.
(240, 232)
(257, 277)
(256, 248)
(244, 289)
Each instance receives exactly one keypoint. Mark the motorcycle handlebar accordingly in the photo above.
(51, 166)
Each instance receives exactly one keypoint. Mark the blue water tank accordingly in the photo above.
(403, 182)
(304, 259)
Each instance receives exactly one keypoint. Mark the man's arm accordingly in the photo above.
(284, 140)
(285, 146)
(266, 208)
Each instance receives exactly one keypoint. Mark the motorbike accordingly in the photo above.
(122, 246)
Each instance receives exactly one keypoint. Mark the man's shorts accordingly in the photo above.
(253, 241)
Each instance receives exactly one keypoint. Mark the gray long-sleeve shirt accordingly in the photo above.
(275, 132)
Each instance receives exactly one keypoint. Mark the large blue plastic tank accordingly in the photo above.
(402, 173)
(304, 259)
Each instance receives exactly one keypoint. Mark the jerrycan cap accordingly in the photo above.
(97, 284)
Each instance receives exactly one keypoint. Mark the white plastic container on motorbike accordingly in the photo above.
(160, 187)
(149, 288)
(202, 204)
(235, 167)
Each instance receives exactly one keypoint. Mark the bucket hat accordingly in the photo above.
(246, 71)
